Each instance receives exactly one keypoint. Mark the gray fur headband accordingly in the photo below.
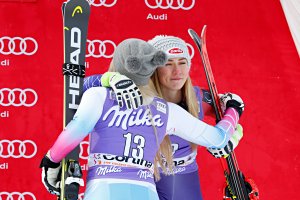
(137, 59)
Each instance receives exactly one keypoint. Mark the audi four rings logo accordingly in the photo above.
(98, 48)
(192, 51)
(17, 196)
(18, 97)
(104, 3)
(84, 150)
(17, 45)
(171, 4)
(17, 149)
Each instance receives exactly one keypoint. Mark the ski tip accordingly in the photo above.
(191, 32)
(203, 31)
(63, 8)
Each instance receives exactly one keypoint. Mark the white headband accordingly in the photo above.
(174, 47)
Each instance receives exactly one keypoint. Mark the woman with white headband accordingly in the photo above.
(173, 83)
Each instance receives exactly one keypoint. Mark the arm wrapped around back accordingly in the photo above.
(184, 125)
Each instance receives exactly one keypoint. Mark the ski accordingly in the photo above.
(75, 20)
(237, 187)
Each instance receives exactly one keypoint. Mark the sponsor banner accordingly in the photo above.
(31, 83)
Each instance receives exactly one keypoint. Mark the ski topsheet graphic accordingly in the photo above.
(75, 18)
(237, 186)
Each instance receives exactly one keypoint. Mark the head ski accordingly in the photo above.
(75, 17)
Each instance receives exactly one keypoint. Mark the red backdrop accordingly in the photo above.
(251, 52)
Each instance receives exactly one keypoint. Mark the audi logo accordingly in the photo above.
(18, 45)
(191, 50)
(170, 4)
(84, 150)
(18, 97)
(98, 48)
(17, 149)
(17, 196)
(103, 3)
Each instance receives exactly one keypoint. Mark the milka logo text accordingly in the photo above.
(107, 170)
(131, 118)
(144, 174)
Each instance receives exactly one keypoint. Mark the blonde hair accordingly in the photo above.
(163, 157)
(188, 96)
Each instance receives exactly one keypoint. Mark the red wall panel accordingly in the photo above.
(251, 53)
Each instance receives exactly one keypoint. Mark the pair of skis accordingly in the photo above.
(237, 186)
(75, 18)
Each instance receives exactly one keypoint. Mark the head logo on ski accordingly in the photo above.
(75, 16)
